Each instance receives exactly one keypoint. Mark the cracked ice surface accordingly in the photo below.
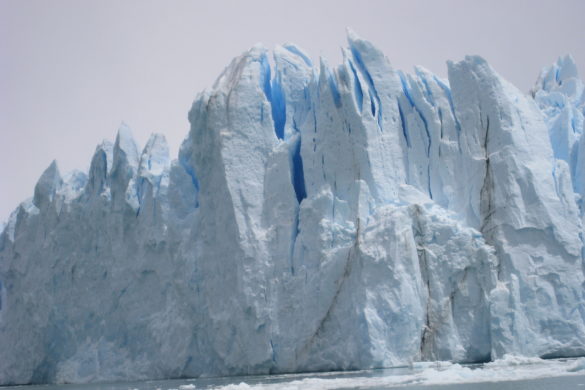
(316, 218)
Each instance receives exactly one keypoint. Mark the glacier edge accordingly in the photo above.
(316, 218)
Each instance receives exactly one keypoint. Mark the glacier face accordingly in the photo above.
(317, 218)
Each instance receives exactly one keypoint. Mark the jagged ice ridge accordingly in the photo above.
(317, 218)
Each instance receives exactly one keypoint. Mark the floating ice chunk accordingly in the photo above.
(577, 366)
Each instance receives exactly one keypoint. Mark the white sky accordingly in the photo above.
(72, 70)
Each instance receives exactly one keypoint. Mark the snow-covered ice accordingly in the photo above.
(316, 218)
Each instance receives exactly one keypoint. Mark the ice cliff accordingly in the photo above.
(317, 218)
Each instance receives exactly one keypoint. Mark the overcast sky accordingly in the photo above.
(72, 70)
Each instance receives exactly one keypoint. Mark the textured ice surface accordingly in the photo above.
(509, 369)
(317, 218)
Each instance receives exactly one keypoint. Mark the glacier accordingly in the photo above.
(316, 218)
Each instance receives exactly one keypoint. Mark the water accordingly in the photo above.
(510, 373)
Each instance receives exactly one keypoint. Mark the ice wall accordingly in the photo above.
(317, 218)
